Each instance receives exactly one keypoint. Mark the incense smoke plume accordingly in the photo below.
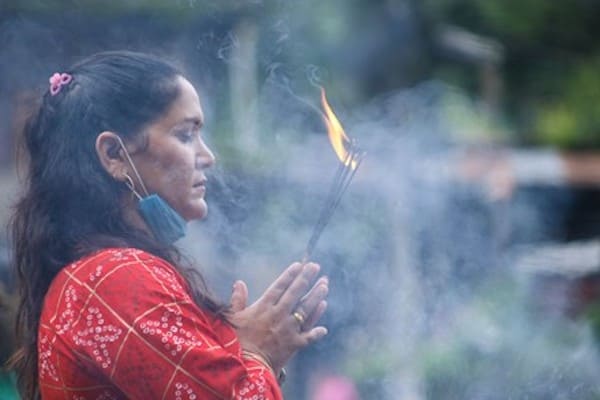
(427, 300)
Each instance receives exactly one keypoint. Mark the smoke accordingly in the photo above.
(427, 300)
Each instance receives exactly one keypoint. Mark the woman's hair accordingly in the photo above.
(71, 206)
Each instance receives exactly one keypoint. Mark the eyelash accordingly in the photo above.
(188, 135)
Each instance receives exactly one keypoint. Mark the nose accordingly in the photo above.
(204, 156)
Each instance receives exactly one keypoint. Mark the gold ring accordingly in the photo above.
(299, 317)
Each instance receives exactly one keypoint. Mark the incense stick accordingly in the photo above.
(341, 180)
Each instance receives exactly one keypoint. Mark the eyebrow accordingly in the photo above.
(194, 120)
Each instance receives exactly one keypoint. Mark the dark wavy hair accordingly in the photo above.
(71, 206)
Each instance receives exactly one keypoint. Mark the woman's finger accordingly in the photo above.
(315, 316)
(297, 288)
(281, 284)
(239, 296)
(308, 304)
(313, 335)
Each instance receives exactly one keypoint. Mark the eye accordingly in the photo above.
(186, 135)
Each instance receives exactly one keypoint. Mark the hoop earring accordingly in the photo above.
(129, 183)
(134, 168)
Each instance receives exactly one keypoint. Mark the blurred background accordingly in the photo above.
(464, 258)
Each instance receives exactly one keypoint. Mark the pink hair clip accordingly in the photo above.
(57, 81)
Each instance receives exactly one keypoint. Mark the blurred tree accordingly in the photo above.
(551, 66)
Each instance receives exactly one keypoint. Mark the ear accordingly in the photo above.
(108, 148)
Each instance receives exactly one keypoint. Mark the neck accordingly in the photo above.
(133, 217)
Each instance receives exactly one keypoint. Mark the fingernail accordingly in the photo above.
(311, 268)
(294, 269)
(323, 291)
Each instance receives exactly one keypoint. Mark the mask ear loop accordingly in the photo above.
(129, 181)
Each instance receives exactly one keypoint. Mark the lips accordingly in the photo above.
(200, 185)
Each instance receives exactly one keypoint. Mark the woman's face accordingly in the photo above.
(173, 162)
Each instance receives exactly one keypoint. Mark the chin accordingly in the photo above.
(197, 211)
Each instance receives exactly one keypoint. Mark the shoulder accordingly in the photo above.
(120, 270)
(121, 282)
(109, 261)
(114, 256)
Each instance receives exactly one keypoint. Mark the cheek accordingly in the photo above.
(170, 166)
(176, 170)
(176, 173)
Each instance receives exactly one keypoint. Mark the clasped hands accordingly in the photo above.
(284, 318)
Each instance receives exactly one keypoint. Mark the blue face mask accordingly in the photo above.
(164, 222)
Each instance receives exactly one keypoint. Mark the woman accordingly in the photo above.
(108, 309)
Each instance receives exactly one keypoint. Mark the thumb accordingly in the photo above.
(239, 296)
(315, 334)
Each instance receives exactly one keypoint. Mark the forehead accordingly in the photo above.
(186, 106)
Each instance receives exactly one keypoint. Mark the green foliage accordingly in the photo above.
(550, 71)
(520, 18)
(573, 119)
(496, 348)
(180, 8)
(592, 314)
(493, 348)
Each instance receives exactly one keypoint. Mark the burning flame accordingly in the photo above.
(336, 134)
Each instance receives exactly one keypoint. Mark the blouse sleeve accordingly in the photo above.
(138, 325)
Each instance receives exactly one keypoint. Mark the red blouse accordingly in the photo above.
(121, 324)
